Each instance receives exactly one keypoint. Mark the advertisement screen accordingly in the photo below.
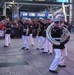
(35, 15)
(63, 1)
(23, 14)
(30, 14)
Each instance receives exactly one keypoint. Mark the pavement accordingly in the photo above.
(14, 61)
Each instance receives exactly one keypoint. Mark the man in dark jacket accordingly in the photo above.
(60, 50)
(7, 34)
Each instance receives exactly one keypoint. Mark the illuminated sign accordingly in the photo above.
(41, 14)
(62, 0)
(31, 14)
(25, 14)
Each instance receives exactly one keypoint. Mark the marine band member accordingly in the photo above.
(40, 29)
(25, 35)
(7, 34)
(60, 51)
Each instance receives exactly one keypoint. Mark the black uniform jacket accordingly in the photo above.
(8, 28)
(25, 26)
(56, 33)
(41, 28)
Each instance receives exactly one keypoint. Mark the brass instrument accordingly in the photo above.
(63, 37)
(39, 29)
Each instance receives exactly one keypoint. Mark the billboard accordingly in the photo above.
(23, 14)
(36, 15)
(32, 14)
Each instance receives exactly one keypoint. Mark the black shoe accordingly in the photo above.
(37, 48)
(5, 46)
(22, 47)
(53, 71)
(27, 49)
(42, 48)
(44, 52)
(61, 65)
(50, 53)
